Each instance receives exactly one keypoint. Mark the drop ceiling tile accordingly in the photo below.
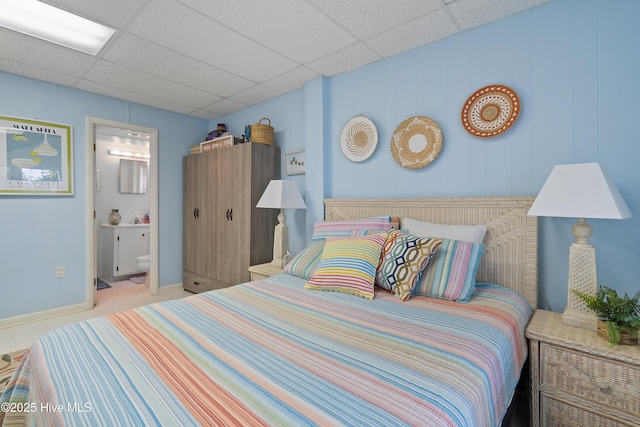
(32, 51)
(424, 30)
(225, 106)
(471, 14)
(117, 76)
(205, 58)
(293, 80)
(133, 52)
(366, 18)
(126, 95)
(295, 29)
(182, 29)
(349, 59)
(37, 73)
(474, 13)
(255, 95)
(113, 12)
(202, 114)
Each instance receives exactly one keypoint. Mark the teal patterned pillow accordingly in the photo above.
(402, 260)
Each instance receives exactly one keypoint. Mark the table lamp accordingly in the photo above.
(281, 194)
(582, 190)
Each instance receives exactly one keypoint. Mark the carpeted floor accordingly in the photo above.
(8, 364)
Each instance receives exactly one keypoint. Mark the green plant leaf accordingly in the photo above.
(613, 332)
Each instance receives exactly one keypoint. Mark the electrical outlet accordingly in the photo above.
(61, 271)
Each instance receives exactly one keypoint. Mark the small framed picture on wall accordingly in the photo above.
(294, 162)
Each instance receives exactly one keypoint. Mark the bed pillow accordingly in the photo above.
(348, 265)
(452, 272)
(352, 227)
(402, 260)
(467, 233)
(305, 263)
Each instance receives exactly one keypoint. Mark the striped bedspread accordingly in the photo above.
(272, 353)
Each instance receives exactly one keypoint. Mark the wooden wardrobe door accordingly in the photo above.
(221, 188)
(197, 215)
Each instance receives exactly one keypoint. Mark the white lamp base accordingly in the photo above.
(582, 277)
(280, 241)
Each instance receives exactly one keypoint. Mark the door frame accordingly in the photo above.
(91, 279)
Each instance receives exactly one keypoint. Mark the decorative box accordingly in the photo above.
(222, 141)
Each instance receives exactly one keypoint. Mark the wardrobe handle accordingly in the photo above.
(194, 212)
(198, 213)
(231, 214)
(227, 214)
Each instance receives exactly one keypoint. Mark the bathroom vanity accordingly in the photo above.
(121, 245)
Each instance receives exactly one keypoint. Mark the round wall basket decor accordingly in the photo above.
(416, 142)
(358, 139)
(490, 111)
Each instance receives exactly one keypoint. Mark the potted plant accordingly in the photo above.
(618, 316)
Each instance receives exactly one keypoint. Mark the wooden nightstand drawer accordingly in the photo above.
(556, 413)
(604, 382)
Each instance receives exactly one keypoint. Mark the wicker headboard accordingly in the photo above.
(510, 256)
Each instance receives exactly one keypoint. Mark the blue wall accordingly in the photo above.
(575, 66)
(39, 233)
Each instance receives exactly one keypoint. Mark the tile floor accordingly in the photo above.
(121, 296)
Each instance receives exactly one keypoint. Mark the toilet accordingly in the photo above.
(144, 263)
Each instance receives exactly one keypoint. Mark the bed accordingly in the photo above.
(271, 352)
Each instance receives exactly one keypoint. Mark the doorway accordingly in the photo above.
(95, 130)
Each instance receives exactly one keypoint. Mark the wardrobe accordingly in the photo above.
(223, 231)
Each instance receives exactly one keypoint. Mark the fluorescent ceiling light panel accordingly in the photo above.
(49, 23)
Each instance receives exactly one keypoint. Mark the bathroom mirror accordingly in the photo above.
(133, 176)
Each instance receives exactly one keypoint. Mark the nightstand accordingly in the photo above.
(577, 380)
(262, 271)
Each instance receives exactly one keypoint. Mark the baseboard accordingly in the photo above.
(41, 315)
(170, 288)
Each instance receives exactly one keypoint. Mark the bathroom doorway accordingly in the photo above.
(130, 144)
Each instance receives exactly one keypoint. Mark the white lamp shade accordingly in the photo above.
(281, 194)
(582, 190)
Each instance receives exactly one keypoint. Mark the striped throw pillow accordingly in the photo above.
(452, 272)
(304, 264)
(351, 227)
(348, 265)
(402, 260)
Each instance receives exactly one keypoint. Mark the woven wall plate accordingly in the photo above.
(416, 142)
(358, 139)
(490, 111)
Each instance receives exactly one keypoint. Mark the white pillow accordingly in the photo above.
(466, 233)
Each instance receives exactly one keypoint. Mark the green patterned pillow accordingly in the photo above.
(402, 260)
